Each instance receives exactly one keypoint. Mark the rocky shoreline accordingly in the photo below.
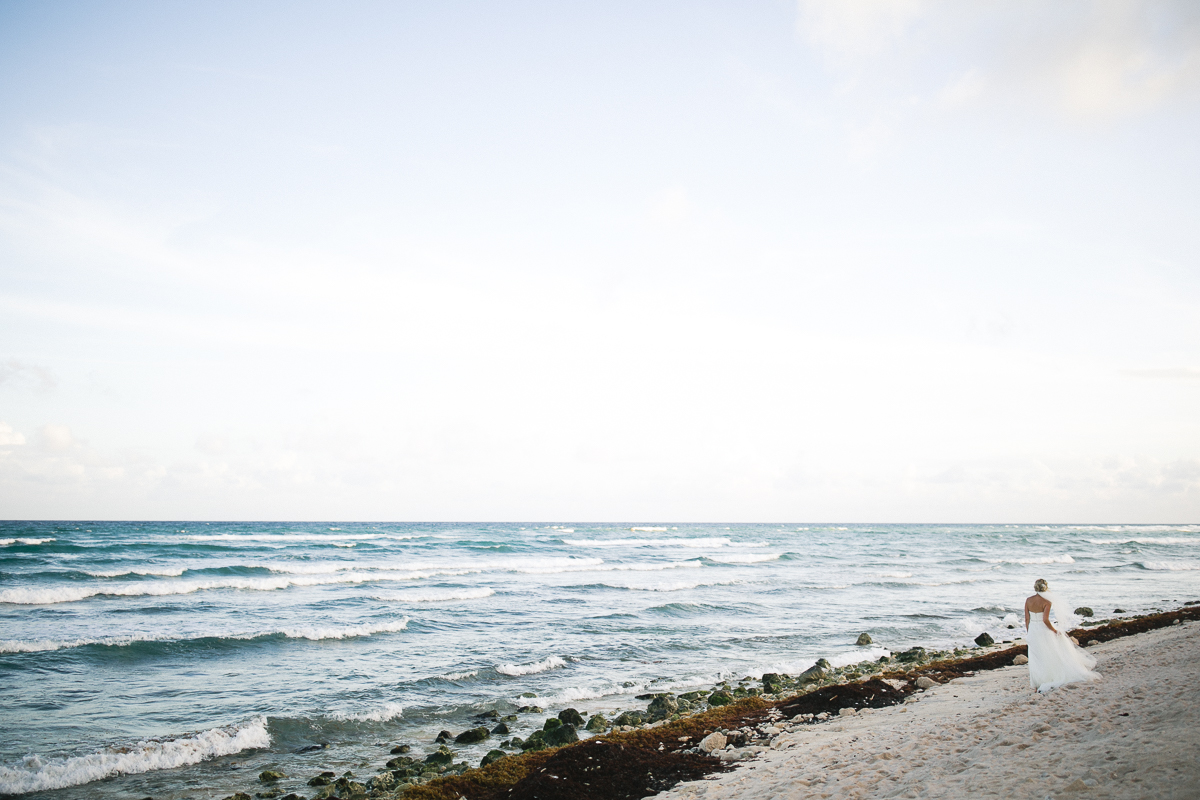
(677, 737)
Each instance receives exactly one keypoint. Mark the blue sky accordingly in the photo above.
(894, 261)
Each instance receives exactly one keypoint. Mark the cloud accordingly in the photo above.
(57, 438)
(19, 374)
(8, 436)
(1168, 373)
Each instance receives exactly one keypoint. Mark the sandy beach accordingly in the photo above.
(1131, 735)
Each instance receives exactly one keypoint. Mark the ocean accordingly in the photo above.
(174, 659)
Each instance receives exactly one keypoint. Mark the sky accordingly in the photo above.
(908, 261)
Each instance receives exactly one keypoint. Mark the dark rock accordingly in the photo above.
(383, 782)
(238, 796)
(884, 660)
(910, 655)
(444, 737)
(328, 774)
(269, 794)
(1118, 611)
(268, 775)
(694, 696)
(772, 682)
(492, 755)
(291, 796)
(440, 757)
(312, 748)
(320, 780)
(629, 718)
(401, 748)
(517, 741)
(813, 673)
(509, 718)
(536, 741)
(571, 716)
(348, 788)
(597, 723)
(563, 734)
(501, 729)
(472, 736)
(1083, 611)
(400, 762)
(493, 714)
(737, 738)
(551, 723)
(531, 710)
(662, 706)
(721, 698)
(528, 694)
(864, 639)
(984, 640)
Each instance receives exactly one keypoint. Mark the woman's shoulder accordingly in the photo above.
(1036, 600)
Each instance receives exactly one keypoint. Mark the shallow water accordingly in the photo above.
(172, 659)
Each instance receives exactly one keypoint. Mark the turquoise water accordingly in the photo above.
(178, 659)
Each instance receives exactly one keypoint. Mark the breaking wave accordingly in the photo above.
(513, 670)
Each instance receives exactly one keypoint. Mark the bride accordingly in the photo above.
(1054, 658)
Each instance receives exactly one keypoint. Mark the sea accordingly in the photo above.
(178, 659)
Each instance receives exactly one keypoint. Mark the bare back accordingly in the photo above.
(1038, 605)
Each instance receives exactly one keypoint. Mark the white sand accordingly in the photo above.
(989, 736)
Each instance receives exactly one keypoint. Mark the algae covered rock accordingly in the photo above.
(472, 736)
(440, 757)
(536, 741)
(984, 640)
(910, 655)
(629, 718)
(563, 734)
(864, 639)
(720, 698)
(270, 775)
(662, 706)
(571, 717)
(492, 755)
(239, 796)
(772, 682)
(597, 724)
(383, 782)
(401, 748)
(501, 729)
(1083, 611)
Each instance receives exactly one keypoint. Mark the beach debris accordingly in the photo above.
(864, 639)
(1083, 611)
(492, 755)
(400, 749)
(714, 741)
(597, 723)
(1021, 659)
(925, 682)
(571, 717)
(985, 639)
(472, 736)
(269, 775)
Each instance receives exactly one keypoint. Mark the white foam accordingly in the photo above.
(1170, 566)
(72, 593)
(313, 633)
(338, 536)
(166, 572)
(1149, 540)
(435, 595)
(460, 676)
(22, 540)
(753, 558)
(553, 662)
(674, 586)
(36, 774)
(389, 711)
(647, 530)
(711, 542)
(893, 574)
(1063, 559)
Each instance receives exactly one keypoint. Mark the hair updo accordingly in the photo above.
(1040, 585)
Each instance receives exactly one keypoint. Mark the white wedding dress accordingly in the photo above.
(1054, 658)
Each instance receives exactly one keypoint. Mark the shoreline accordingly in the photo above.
(679, 756)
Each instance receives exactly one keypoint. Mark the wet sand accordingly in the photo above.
(1133, 734)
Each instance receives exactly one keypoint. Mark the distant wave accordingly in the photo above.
(1149, 540)
(1063, 559)
(435, 595)
(387, 712)
(711, 542)
(647, 529)
(36, 774)
(460, 676)
(1169, 566)
(292, 537)
(166, 572)
(750, 558)
(310, 632)
(553, 662)
(675, 586)
(22, 540)
(48, 595)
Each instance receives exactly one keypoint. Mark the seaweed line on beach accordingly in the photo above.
(637, 763)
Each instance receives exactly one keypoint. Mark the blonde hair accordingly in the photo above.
(1040, 585)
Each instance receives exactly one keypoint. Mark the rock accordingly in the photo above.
(493, 714)
(847, 711)
(531, 710)
(400, 762)
(1118, 611)
(551, 723)
(268, 775)
(472, 736)
(563, 734)
(401, 748)
(662, 706)
(925, 682)
(517, 741)
(635, 718)
(1176, 622)
(692, 697)
(501, 729)
(714, 741)
(348, 788)
(440, 757)
(721, 698)
(528, 694)
(1093, 642)
(291, 796)
(492, 755)
(320, 780)
(571, 717)
(772, 682)
(382, 782)
(1076, 785)
(597, 724)
(984, 640)
(1021, 659)
(864, 639)
(536, 741)
(444, 737)
(1083, 611)
(911, 654)
(238, 796)
(312, 748)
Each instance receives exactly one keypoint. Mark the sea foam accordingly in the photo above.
(36, 774)
(553, 662)
(22, 540)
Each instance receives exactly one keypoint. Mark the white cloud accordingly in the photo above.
(57, 437)
(8, 436)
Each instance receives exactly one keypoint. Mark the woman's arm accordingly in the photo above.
(1026, 615)
(1046, 618)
